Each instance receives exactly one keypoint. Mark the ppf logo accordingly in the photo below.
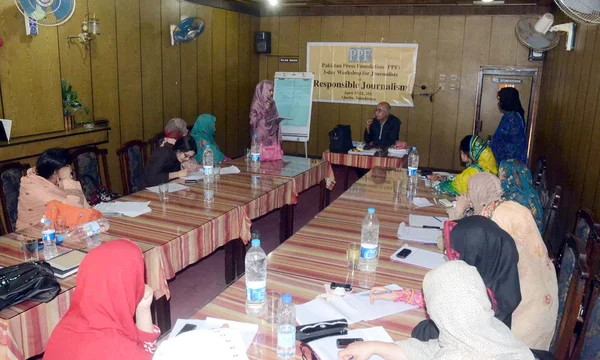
(360, 55)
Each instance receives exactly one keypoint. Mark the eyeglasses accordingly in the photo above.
(308, 353)
(379, 111)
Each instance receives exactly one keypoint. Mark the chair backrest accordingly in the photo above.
(586, 230)
(573, 275)
(588, 341)
(549, 221)
(132, 157)
(91, 169)
(539, 173)
(10, 185)
(154, 143)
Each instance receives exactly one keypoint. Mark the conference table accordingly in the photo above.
(316, 256)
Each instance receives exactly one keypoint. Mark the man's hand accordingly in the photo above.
(368, 125)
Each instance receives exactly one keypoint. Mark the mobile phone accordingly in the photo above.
(343, 343)
(186, 328)
(347, 287)
(191, 181)
(403, 254)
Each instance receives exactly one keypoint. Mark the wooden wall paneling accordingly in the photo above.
(445, 104)
(329, 113)
(205, 64)
(255, 60)
(232, 70)
(264, 25)
(540, 139)
(402, 28)
(129, 69)
(245, 54)
(503, 48)
(189, 69)
(219, 78)
(30, 75)
(354, 28)
(75, 65)
(426, 32)
(151, 53)
(289, 39)
(310, 31)
(273, 59)
(171, 61)
(377, 29)
(477, 38)
(106, 83)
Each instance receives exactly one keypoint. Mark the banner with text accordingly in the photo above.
(362, 73)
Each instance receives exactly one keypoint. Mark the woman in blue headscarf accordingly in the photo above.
(203, 132)
(510, 139)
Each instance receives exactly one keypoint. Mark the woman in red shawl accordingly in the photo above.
(99, 324)
(264, 122)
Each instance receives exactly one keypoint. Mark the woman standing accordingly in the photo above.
(204, 132)
(166, 163)
(510, 140)
(264, 122)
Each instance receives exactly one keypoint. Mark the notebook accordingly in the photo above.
(418, 234)
(66, 264)
(419, 257)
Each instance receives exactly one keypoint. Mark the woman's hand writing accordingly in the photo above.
(357, 351)
(381, 293)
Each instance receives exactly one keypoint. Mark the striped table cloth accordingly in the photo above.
(364, 161)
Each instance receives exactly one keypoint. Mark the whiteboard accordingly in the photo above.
(293, 98)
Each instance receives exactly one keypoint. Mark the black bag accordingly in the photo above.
(28, 281)
(316, 331)
(340, 139)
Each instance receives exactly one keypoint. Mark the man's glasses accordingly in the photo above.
(376, 111)
(308, 353)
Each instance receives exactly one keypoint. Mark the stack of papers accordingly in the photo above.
(327, 349)
(422, 202)
(397, 152)
(431, 222)
(127, 208)
(66, 264)
(173, 187)
(354, 308)
(370, 152)
(248, 331)
(422, 258)
(418, 234)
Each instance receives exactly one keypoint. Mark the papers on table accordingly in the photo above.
(422, 202)
(127, 208)
(354, 308)
(443, 173)
(173, 187)
(397, 152)
(327, 349)
(247, 331)
(419, 257)
(230, 170)
(199, 175)
(418, 234)
(223, 344)
(427, 221)
(370, 152)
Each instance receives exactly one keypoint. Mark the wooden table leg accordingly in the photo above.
(161, 314)
(235, 254)
(322, 195)
(286, 223)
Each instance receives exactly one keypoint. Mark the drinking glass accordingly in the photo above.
(273, 300)
(61, 225)
(353, 255)
(248, 155)
(217, 171)
(30, 250)
(163, 192)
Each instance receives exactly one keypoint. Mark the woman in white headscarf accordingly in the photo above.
(458, 303)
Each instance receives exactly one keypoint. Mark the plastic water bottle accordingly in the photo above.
(84, 231)
(369, 242)
(413, 162)
(49, 240)
(208, 164)
(411, 187)
(256, 280)
(286, 329)
(255, 152)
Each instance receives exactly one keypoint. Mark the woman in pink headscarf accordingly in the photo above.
(264, 122)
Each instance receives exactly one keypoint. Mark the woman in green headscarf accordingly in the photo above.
(203, 132)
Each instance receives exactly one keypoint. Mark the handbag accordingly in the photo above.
(271, 153)
(340, 139)
(310, 332)
(28, 281)
(73, 215)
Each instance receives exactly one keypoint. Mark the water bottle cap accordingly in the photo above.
(47, 222)
(414, 148)
(60, 238)
(286, 299)
(371, 211)
(255, 135)
(255, 242)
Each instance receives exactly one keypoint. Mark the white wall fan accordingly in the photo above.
(47, 12)
(540, 35)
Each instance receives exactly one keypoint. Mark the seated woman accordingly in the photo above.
(264, 122)
(534, 320)
(50, 180)
(458, 303)
(481, 243)
(99, 324)
(478, 157)
(204, 132)
(174, 130)
(166, 163)
(517, 185)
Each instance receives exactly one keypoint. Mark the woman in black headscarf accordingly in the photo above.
(481, 243)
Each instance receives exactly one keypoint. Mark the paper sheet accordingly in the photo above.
(197, 175)
(424, 221)
(380, 308)
(223, 344)
(417, 234)
(419, 257)
(230, 170)
(248, 331)
(327, 349)
(422, 202)
(7, 124)
(173, 187)
(370, 152)
(130, 209)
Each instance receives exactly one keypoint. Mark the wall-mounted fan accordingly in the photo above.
(539, 34)
(187, 30)
(47, 12)
(586, 12)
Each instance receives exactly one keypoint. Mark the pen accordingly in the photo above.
(437, 219)
(431, 227)
(379, 293)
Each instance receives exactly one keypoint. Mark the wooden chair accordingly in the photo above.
(573, 276)
(154, 143)
(91, 169)
(548, 225)
(587, 345)
(10, 185)
(132, 158)
(586, 229)
(539, 173)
